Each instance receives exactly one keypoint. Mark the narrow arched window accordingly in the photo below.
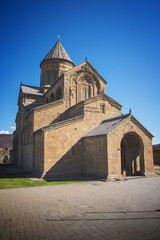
(85, 93)
(103, 108)
(89, 91)
(93, 90)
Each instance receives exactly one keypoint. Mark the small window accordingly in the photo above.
(103, 108)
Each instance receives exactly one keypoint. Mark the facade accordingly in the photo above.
(70, 127)
(156, 154)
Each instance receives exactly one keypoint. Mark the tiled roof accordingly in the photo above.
(6, 140)
(29, 106)
(58, 51)
(31, 90)
(107, 125)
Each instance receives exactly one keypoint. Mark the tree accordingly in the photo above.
(6, 159)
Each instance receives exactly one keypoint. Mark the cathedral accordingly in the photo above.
(70, 128)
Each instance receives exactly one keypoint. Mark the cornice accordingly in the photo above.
(137, 123)
(105, 97)
(95, 71)
(113, 102)
(46, 106)
(55, 61)
(75, 68)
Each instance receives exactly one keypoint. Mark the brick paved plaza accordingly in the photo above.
(90, 210)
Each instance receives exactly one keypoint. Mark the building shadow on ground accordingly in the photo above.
(11, 171)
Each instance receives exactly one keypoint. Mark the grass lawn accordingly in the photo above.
(27, 182)
(157, 169)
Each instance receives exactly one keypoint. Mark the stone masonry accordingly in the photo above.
(53, 122)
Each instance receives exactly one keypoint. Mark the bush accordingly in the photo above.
(6, 159)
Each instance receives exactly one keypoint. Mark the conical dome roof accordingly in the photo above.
(59, 52)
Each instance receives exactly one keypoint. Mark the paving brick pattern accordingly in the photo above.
(91, 210)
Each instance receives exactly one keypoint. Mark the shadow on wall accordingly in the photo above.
(75, 165)
(72, 112)
(70, 165)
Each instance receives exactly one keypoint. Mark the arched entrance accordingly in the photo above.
(132, 154)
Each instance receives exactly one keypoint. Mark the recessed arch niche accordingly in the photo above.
(132, 154)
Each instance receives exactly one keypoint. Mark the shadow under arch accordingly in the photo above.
(132, 154)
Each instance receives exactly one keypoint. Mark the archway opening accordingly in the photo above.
(132, 155)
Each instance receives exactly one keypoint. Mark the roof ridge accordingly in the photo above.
(25, 85)
(115, 118)
(31, 90)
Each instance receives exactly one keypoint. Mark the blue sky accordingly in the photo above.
(121, 39)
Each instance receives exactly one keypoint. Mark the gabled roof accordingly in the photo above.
(76, 68)
(103, 96)
(46, 105)
(110, 124)
(29, 106)
(106, 126)
(31, 90)
(58, 52)
(91, 67)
